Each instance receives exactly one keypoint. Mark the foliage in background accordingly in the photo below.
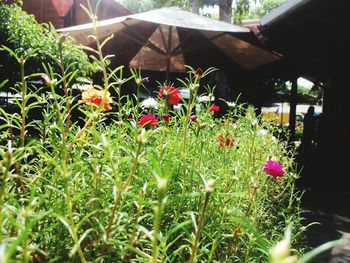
(259, 11)
(147, 5)
(239, 9)
(20, 32)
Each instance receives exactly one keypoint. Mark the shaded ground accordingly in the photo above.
(327, 201)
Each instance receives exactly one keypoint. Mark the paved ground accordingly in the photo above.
(331, 227)
(327, 201)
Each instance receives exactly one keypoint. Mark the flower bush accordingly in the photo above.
(144, 187)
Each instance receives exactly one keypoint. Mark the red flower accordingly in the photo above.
(199, 72)
(166, 117)
(193, 118)
(170, 94)
(148, 120)
(273, 168)
(214, 108)
(226, 142)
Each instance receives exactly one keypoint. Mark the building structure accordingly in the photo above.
(69, 12)
(313, 37)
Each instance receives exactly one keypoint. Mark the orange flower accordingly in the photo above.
(227, 141)
(96, 97)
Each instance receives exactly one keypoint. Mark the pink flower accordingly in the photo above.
(273, 168)
(227, 141)
(214, 108)
(166, 117)
(148, 120)
(170, 94)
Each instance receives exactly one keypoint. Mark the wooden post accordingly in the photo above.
(293, 108)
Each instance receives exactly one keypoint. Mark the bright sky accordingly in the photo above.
(215, 9)
(305, 83)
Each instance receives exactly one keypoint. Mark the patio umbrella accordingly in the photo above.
(167, 39)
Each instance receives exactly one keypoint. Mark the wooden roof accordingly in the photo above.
(69, 13)
(312, 35)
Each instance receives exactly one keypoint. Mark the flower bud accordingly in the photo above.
(193, 118)
(61, 39)
(45, 79)
(141, 138)
(162, 183)
(280, 251)
(209, 188)
(140, 81)
(203, 126)
(194, 86)
(199, 72)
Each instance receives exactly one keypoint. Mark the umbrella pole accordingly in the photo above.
(166, 76)
(168, 54)
(167, 71)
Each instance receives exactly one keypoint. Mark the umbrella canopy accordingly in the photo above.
(168, 39)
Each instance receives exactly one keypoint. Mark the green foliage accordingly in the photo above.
(240, 10)
(119, 192)
(112, 190)
(20, 32)
(266, 7)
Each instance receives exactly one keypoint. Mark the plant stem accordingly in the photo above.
(199, 229)
(137, 101)
(119, 197)
(71, 222)
(158, 214)
(3, 187)
(249, 169)
(21, 61)
(119, 103)
(23, 103)
(65, 87)
(77, 136)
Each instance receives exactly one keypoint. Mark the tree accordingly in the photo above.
(195, 5)
(225, 10)
(20, 32)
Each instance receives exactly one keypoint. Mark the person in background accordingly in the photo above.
(308, 131)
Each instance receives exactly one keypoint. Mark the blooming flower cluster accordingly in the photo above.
(170, 94)
(274, 169)
(96, 97)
